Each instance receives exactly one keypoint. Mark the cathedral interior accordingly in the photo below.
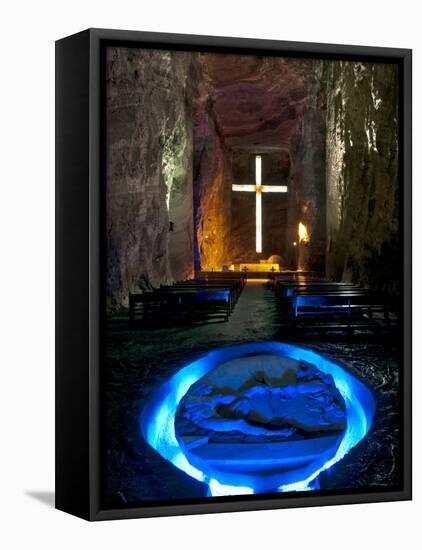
(253, 276)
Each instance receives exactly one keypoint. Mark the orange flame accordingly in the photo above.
(303, 233)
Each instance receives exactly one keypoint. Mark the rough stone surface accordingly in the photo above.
(262, 395)
(212, 192)
(149, 169)
(256, 100)
(263, 419)
(248, 105)
(181, 128)
(137, 362)
(177, 125)
(362, 174)
(307, 204)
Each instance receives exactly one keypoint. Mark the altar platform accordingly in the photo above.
(260, 274)
(259, 267)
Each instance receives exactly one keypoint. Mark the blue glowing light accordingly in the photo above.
(158, 416)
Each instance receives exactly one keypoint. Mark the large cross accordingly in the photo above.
(258, 188)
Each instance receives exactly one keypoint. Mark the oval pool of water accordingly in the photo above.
(243, 474)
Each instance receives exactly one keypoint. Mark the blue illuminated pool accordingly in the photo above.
(267, 468)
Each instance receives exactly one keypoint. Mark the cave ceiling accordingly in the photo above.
(256, 101)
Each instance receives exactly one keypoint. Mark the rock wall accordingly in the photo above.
(249, 105)
(212, 192)
(307, 200)
(149, 169)
(362, 173)
(176, 120)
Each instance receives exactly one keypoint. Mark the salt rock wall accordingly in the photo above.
(249, 104)
(149, 170)
(307, 200)
(212, 192)
(362, 173)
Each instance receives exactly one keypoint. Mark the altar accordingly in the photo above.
(262, 266)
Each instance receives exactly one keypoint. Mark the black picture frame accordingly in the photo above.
(80, 274)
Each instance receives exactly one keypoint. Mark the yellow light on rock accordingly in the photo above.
(303, 233)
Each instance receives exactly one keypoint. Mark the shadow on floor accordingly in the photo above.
(45, 497)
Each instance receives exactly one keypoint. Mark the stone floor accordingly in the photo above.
(138, 360)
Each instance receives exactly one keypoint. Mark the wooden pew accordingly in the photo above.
(339, 309)
(235, 286)
(200, 289)
(204, 296)
(279, 282)
(222, 277)
(289, 290)
(181, 303)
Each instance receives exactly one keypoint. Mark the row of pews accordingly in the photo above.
(316, 303)
(210, 296)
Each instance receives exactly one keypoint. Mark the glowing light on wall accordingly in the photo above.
(258, 188)
(258, 209)
(258, 170)
(258, 221)
(158, 416)
(303, 233)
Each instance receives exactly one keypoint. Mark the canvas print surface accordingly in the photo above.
(253, 287)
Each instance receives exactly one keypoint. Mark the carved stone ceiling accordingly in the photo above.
(256, 101)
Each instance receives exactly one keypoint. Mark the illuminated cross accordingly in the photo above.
(258, 188)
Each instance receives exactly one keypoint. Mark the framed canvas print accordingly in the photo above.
(233, 274)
